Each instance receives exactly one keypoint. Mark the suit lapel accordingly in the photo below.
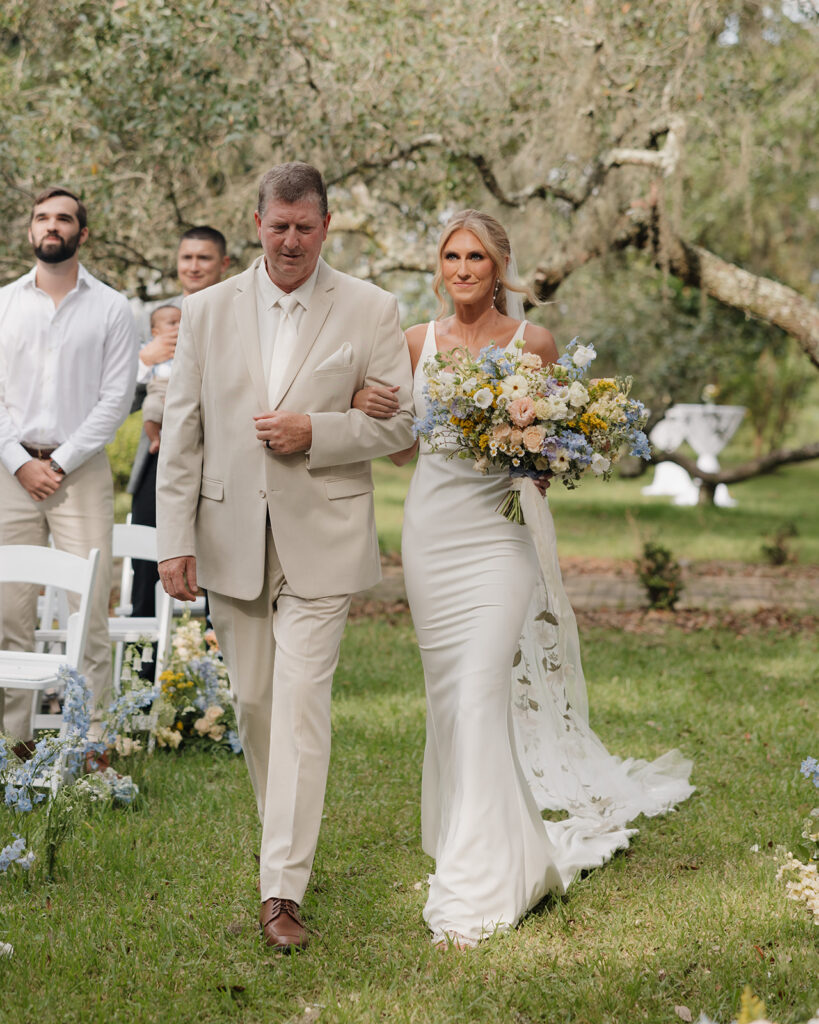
(321, 302)
(247, 320)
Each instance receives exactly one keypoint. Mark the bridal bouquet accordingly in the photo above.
(506, 409)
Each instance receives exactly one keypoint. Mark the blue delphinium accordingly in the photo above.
(128, 704)
(641, 448)
(810, 769)
(234, 741)
(204, 670)
(124, 789)
(76, 704)
(14, 852)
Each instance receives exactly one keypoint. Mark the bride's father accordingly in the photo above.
(264, 497)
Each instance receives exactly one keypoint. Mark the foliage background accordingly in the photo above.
(163, 113)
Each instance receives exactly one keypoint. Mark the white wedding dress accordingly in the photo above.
(507, 723)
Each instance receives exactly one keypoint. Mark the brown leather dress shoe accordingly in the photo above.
(281, 926)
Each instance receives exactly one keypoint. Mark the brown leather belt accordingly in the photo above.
(40, 453)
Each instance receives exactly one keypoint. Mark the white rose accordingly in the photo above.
(600, 464)
(446, 392)
(583, 355)
(483, 398)
(555, 409)
(578, 395)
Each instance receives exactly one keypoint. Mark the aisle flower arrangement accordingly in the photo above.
(506, 409)
(189, 703)
(46, 795)
(802, 879)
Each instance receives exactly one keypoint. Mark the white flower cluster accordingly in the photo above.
(801, 883)
(187, 640)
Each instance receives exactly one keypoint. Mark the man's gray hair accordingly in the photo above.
(291, 182)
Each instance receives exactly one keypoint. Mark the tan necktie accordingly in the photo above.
(287, 339)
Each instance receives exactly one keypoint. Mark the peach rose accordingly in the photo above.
(501, 432)
(515, 438)
(522, 411)
(533, 438)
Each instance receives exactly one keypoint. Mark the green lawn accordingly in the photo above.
(612, 520)
(153, 915)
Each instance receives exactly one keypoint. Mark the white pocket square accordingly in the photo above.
(339, 359)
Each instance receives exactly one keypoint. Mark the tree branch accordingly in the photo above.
(736, 474)
(757, 296)
(761, 297)
(399, 153)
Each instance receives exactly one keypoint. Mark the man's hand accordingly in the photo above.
(178, 577)
(378, 401)
(284, 433)
(154, 434)
(38, 478)
(161, 346)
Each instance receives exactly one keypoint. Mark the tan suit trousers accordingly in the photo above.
(281, 652)
(79, 516)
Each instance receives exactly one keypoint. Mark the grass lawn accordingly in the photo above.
(612, 520)
(153, 915)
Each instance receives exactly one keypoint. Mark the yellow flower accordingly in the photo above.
(751, 1008)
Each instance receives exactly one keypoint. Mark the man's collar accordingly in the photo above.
(83, 277)
(271, 293)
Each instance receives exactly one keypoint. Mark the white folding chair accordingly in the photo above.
(131, 542)
(37, 670)
(52, 616)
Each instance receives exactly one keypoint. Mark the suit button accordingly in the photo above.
(262, 494)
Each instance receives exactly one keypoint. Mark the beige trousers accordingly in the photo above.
(79, 516)
(281, 652)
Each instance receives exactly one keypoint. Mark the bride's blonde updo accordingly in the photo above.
(492, 236)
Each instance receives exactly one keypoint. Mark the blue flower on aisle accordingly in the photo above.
(234, 741)
(18, 799)
(13, 852)
(810, 769)
(76, 703)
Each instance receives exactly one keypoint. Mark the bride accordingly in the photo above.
(507, 721)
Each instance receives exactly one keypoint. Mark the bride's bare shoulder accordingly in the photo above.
(540, 341)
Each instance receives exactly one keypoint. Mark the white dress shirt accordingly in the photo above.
(67, 374)
(268, 313)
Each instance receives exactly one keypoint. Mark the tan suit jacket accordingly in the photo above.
(217, 484)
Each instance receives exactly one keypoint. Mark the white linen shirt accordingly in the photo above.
(269, 314)
(67, 374)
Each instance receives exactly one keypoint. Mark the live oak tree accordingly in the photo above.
(659, 151)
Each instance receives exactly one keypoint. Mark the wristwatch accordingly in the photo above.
(56, 467)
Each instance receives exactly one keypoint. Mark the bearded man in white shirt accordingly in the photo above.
(68, 354)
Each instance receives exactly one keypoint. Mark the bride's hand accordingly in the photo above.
(378, 401)
(542, 483)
